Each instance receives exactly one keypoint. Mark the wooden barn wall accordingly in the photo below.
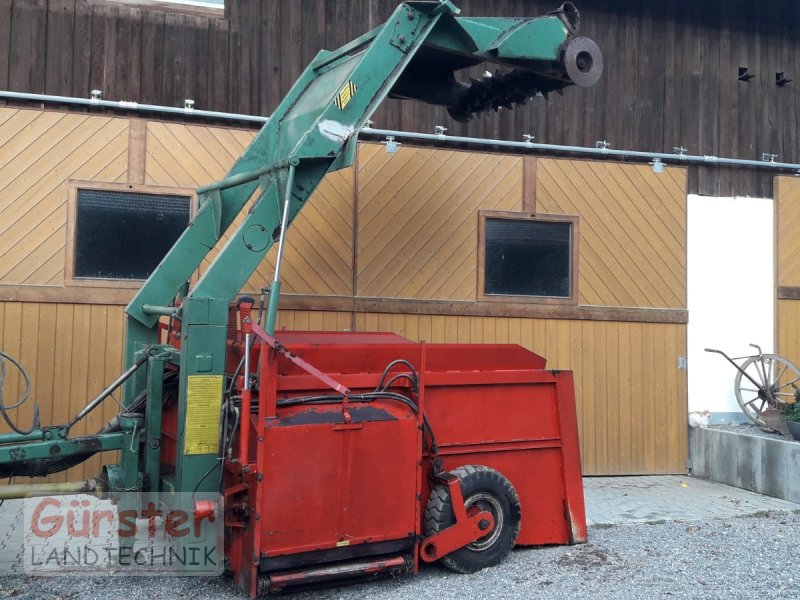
(632, 229)
(420, 207)
(671, 69)
(787, 226)
(41, 150)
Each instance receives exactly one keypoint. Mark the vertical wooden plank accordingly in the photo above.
(137, 150)
(681, 425)
(28, 45)
(5, 42)
(315, 321)
(526, 333)
(42, 387)
(152, 57)
(82, 49)
(489, 336)
(500, 330)
(745, 46)
(450, 330)
(59, 47)
(197, 61)
(638, 393)
(11, 344)
(562, 354)
(673, 70)
(708, 124)
(623, 374)
(27, 355)
(345, 322)
(727, 112)
(589, 442)
(399, 324)
(217, 74)
(529, 174)
(674, 407)
(649, 397)
(103, 48)
(412, 327)
(174, 73)
(95, 381)
(128, 56)
(602, 417)
(514, 331)
(576, 357)
(291, 20)
(664, 364)
(463, 329)
(425, 328)
(62, 369)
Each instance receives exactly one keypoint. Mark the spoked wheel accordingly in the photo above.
(777, 380)
(484, 489)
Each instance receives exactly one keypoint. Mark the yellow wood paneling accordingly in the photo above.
(319, 249)
(418, 218)
(41, 151)
(630, 394)
(788, 332)
(632, 228)
(787, 196)
(71, 352)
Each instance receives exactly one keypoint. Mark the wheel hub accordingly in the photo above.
(483, 501)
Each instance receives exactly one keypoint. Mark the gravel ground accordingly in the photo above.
(747, 557)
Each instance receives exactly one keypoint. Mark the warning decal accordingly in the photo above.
(203, 406)
(345, 95)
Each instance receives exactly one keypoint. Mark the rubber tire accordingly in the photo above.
(439, 516)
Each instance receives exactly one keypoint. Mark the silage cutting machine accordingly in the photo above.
(346, 455)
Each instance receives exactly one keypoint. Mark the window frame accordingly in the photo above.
(574, 220)
(72, 212)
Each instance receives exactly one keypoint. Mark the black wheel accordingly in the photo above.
(483, 489)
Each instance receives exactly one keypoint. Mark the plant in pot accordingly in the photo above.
(791, 416)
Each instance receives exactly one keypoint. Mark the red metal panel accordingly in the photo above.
(380, 491)
(481, 357)
(573, 480)
(302, 481)
(537, 477)
(492, 413)
(288, 338)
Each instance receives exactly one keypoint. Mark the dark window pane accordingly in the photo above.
(527, 258)
(124, 235)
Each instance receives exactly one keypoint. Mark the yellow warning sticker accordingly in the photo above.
(203, 405)
(345, 95)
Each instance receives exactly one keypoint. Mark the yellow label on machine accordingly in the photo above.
(345, 95)
(203, 406)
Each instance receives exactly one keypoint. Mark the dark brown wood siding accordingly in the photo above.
(671, 69)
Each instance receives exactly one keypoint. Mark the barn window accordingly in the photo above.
(121, 234)
(525, 257)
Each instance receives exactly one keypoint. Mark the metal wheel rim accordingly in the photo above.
(776, 375)
(489, 503)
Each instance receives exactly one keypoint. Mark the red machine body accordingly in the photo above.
(338, 490)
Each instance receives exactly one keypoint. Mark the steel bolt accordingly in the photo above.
(401, 39)
(483, 524)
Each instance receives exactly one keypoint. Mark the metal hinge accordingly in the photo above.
(682, 363)
(689, 464)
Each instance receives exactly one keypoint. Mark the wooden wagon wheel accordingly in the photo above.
(778, 379)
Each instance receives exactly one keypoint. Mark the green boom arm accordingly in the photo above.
(313, 131)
